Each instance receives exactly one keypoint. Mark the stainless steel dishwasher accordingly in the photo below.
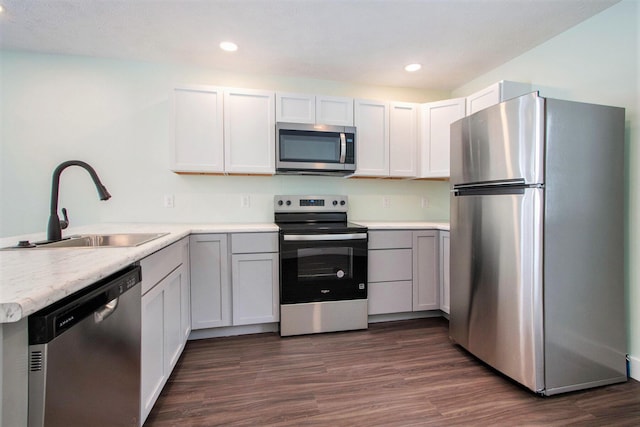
(84, 356)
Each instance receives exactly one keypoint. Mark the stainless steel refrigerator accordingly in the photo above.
(537, 242)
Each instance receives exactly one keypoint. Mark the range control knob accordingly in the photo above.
(342, 203)
(280, 202)
(335, 203)
(288, 202)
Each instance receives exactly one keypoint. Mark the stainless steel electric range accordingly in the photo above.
(323, 266)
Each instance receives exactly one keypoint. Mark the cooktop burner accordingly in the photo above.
(313, 214)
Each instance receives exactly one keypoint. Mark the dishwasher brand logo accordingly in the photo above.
(325, 291)
(65, 322)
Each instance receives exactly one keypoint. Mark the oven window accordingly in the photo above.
(325, 263)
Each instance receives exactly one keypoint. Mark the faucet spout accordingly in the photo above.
(54, 229)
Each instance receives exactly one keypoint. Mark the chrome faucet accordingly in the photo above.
(54, 230)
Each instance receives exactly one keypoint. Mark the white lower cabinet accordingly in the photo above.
(255, 290)
(444, 271)
(163, 315)
(234, 279)
(255, 278)
(390, 286)
(426, 271)
(404, 271)
(210, 281)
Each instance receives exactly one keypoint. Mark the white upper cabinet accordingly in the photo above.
(197, 141)
(403, 139)
(372, 137)
(333, 110)
(314, 109)
(495, 94)
(249, 131)
(295, 108)
(434, 147)
(218, 130)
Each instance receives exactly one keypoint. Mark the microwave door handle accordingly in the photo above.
(343, 147)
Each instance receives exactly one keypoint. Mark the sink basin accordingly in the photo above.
(103, 240)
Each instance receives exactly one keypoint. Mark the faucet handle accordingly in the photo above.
(64, 223)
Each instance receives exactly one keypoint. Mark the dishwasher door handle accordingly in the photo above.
(106, 310)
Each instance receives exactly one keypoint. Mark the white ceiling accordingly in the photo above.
(363, 41)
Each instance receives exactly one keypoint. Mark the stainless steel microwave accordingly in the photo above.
(315, 149)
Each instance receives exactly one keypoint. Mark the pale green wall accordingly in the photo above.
(597, 61)
(115, 115)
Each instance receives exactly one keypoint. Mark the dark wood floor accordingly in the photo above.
(393, 374)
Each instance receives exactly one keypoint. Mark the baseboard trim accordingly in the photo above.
(634, 367)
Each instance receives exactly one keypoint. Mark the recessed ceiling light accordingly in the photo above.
(412, 67)
(228, 46)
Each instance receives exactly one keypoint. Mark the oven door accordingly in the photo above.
(323, 267)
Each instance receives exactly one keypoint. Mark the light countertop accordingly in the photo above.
(404, 225)
(31, 279)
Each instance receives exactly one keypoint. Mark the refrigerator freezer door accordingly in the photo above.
(496, 280)
(501, 143)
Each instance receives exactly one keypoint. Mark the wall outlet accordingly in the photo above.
(169, 201)
(424, 203)
(245, 201)
(386, 202)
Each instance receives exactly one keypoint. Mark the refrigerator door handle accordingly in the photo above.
(491, 184)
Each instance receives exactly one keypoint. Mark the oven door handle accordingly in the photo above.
(318, 237)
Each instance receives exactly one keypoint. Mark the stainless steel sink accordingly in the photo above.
(103, 240)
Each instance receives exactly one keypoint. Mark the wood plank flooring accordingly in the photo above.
(393, 374)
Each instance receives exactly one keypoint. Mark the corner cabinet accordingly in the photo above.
(495, 94)
(435, 120)
(444, 271)
(197, 139)
(403, 139)
(372, 138)
(249, 123)
(164, 317)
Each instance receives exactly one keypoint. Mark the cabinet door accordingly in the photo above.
(249, 132)
(426, 274)
(444, 271)
(295, 108)
(255, 282)
(153, 368)
(174, 336)
(484, 98)
(372, 138)
(386, 265)
(210, 287)
(403, 138)
(435, 142)
(390, 297)
(197, 132)
(494, 94)
(332, 110)
(185, 286)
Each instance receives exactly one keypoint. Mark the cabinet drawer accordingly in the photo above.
(251, 243)
(390, 239)
(390, 297)
(390, 265)
(158, 265)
